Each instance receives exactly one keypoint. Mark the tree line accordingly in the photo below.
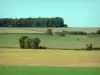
(32, 22)
(30, 43)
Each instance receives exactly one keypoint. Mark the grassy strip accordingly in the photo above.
(52, 48)
(9, 47)
(42, 70)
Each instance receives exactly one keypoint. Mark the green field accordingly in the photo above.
(40, 70)
(10, 40)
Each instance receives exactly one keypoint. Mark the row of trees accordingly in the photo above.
(29, 43)
(63, 32)
(32, 22)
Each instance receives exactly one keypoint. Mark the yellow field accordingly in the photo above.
(49, 57)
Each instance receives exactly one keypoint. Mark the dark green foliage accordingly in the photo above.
(98, 32)
(49, 32)
(42, 47)
(29, 43)
(61, 33)
(32, 22)
(89, 47)
(77, 33)
(92, 33)
(72, 32)
(21, 41)
(24, 37)
(36, 42)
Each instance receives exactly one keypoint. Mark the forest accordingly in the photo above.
(32, 22)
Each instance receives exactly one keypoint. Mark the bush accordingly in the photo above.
(36, 42)
(98, 31)
(89, 47)
(61, 34)
(29, 43)
(77, 32)
(42, 47)
(24, 37)
(21, 41)
(92, 33)
(71, 32)
(49, 32)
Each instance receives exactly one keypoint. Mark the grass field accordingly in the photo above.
(40, 70)
(9, 37)
(9, 40)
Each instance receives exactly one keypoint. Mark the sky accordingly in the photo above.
(76, 13)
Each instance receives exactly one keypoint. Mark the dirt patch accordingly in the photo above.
(49, 58)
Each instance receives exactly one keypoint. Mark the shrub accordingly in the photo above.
(21, 41)
(36, 42)
(77, 32)
(89, 47)
(24, 37)
(64, 31)
(42, 47)
(49, 32)
(29, 43)
(92, 33)
(71, 32)
(61, 34)
(98, 31)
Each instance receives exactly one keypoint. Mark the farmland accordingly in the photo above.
(42, 30)
(58, 59)
(49, 62)
(49, 57)
(10, 40)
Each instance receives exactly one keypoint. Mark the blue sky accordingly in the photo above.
(76, 13)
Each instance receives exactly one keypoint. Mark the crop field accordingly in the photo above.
(49, 57)
(41, 70)
(9, 37)
(10, 40)
(54, 60)
(49, 62)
